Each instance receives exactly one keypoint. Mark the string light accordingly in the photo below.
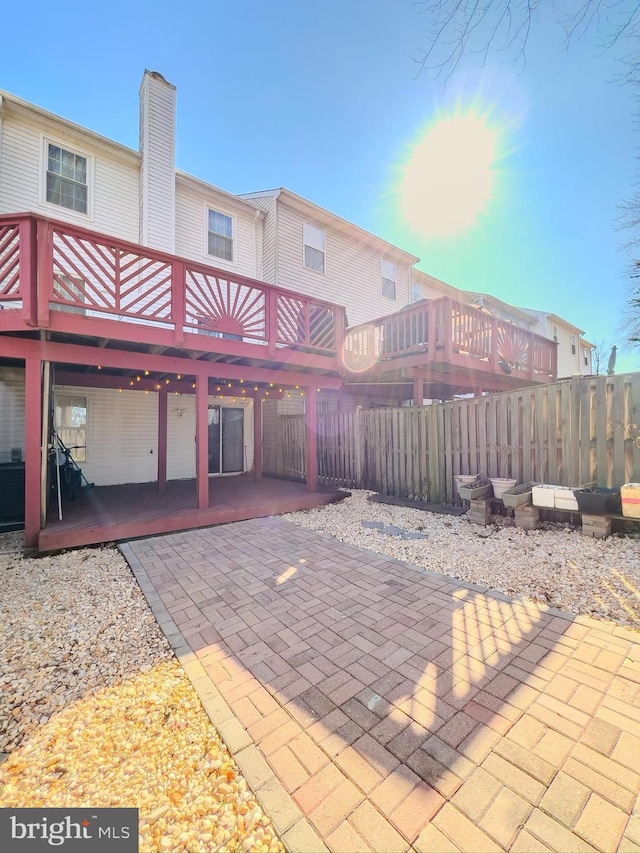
(166, 381)
(179, 376)
(137, 379)
(146, 373)
(131, 383)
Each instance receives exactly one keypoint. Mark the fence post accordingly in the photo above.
(358, 448)
(433, 451)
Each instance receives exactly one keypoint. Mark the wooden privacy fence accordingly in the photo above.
(579, 430)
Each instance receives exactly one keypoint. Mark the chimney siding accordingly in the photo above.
(158, 149)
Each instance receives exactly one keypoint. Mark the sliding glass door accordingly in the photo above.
(226, 440)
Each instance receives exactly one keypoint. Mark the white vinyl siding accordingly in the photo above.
(389, 273)
(352, 275)
(22, 181)
(314, 256)
(192, 209)
(122, 434)
(269, 237)
(12, 412)
(157, 174)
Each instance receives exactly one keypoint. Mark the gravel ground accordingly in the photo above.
(95, 709)
(555, 565)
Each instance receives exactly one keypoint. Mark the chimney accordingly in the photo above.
(157, 175)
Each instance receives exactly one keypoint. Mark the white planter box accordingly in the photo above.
(565, 498)
(544, 495)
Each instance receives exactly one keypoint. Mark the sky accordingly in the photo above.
(507, 180)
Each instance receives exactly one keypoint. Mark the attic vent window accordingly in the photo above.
(67, 183)
(314, 247)
(220, 235)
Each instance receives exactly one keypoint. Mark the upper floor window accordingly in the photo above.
(67, 178)
(314, 247)
(555, 334)
(416, 293)
(389, 276)
(585, 356)
(573, 344)
(220, 235)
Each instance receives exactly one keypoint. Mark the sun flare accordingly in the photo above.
(449, 178)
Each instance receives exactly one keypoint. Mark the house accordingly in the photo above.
(574, 352)
(150, 320)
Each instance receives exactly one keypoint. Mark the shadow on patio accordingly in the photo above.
(399, 709)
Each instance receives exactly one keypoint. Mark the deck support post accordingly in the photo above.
(33, 450)
(311, 453)
(163, 396)
(257, 437)
(418, 391)
(202, 442)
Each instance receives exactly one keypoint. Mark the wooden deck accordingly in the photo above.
(104, 513)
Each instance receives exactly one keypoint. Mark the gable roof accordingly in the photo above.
(326, 217)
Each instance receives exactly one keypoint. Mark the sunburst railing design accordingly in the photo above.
(225, 306)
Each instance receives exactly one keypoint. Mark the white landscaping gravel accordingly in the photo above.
(555, 566)
(95, 709)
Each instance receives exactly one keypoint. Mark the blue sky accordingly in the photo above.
(325, 99)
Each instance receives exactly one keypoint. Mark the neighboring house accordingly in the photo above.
(574, 352)
(158, 317)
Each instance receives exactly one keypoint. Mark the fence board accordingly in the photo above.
(579, 430)
(600, 437)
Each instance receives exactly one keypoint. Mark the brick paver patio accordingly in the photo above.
(376, 706)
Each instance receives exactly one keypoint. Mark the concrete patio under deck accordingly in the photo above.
(104, 513)
(373, 705)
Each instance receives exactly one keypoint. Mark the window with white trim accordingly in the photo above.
(573, 344)
(67, 178)
(71, 424)
(585, 356)
(220, 235)
(314, 247)
(389, 278)
(555, 334)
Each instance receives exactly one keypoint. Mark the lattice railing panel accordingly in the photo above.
(225, 306)
(9, 262)
(103, 279)
(304, 323)
(322, 327)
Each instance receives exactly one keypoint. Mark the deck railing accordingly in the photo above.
(449, 330)
(48, 266)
